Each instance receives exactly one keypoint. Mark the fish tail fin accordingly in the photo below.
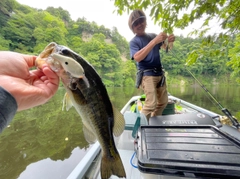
(112, 166)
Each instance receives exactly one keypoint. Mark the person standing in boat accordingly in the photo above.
(144, 49)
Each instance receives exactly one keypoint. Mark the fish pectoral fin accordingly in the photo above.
(89, 135)
(119, 123)
(67, 101)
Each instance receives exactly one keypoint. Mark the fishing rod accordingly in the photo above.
(224, 110)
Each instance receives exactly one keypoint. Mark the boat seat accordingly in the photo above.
(130, 119)
(182, 120)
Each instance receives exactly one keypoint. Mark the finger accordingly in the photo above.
(52, 80)
(48, 82)
(30, 59)
(46, 73)
(37, 73)
(51, 75)
(44, 78)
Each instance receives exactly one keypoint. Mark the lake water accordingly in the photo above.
(46, 142)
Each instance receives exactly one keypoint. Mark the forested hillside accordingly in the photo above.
(28, 30)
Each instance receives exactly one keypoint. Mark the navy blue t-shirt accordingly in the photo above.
(152, 60)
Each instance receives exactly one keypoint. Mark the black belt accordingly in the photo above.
(155, 70)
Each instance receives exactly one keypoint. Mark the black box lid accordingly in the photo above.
(201, 151)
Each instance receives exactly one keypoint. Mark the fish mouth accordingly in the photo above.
(65, 66)
(45, 57)
(52, 56)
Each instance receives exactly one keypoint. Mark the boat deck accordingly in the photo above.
(188, 140)
(126, 151)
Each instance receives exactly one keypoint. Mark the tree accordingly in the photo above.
(129, 72)
(49, 29)
(19, 29)
(4, 44)
(6, 8)
(60, 13)
(181, 13)
(235, 62)
(120, 42)
(104, 57)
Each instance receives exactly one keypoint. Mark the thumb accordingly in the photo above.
(30, 59)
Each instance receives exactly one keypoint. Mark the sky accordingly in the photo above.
(99, 11)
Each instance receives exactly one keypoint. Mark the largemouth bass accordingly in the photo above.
(87, 93)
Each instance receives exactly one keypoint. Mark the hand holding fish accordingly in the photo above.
(160, 37)
(30, 88)
(171, 39)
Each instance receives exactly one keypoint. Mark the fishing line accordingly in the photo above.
(209, 96)
(224, 110)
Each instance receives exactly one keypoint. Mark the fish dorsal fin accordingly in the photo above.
(88, 134)
(119, 123)
(67, 101)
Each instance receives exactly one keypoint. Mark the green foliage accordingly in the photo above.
(120, 42)
(6, 9)
(234, 54)
(104, 57)
(181, 13)
(129, 82)
(4, 44)
(18, 30)
(108, 82)
(52, 29)
(60, 13)
(129, 72)
(27, 30)
(175, 64)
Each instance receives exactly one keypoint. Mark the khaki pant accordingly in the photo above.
(156, 98)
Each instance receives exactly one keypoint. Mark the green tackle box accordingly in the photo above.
(169, 109)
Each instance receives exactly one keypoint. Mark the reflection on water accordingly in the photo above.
(38, 134)
(48, 168)
(227, 96)
(46, 142)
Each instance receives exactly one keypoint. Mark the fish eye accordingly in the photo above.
(66, 63)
